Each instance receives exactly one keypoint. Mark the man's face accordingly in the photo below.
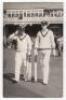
(16, 32)
(19, 33)
(44, 27)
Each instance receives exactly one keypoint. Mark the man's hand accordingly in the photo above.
(29, 57)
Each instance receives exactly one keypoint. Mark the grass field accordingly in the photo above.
(32, 89)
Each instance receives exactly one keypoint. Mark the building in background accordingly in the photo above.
(30, 14)
(33, 13)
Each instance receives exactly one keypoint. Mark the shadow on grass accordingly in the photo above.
(10, 76)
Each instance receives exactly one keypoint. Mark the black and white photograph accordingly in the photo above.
(33, 49)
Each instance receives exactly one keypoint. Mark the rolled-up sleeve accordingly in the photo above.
(12, 37)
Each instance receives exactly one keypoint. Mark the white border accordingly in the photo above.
(32, 0)
(1, 48)
(64, 70)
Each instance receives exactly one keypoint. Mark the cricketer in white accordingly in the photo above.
(44, 43)
(24, 46)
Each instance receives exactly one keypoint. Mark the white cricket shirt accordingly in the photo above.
(24, 43)
(45, 41)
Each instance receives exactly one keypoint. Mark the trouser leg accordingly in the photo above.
(46, 73)
(18, 63)
(35, 71)
(25, 68)
(46, 61)
(35, 64)
(29, 70)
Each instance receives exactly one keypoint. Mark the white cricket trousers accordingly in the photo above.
(35, 65)
(46, 62)
(20, 58)
(44, 57)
